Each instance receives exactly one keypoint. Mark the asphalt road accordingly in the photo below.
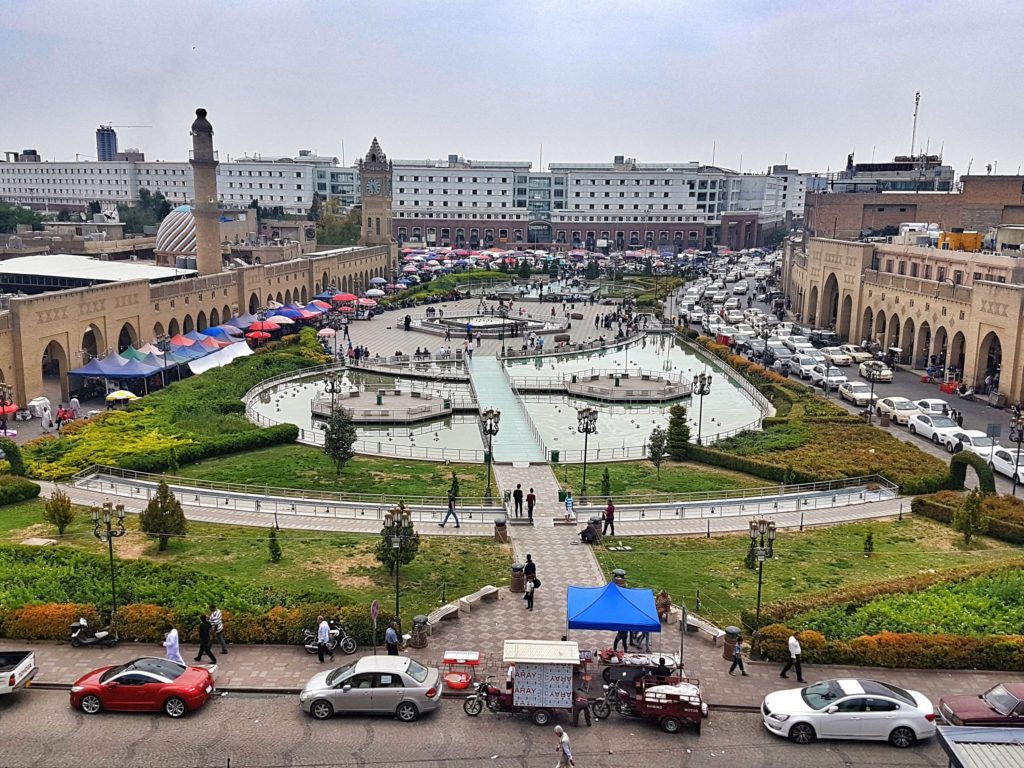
(38, 728)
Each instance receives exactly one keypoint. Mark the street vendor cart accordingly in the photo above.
(669, 701)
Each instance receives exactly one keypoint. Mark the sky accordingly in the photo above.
(742, 84)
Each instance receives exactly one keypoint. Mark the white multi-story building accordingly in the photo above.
(796, 186)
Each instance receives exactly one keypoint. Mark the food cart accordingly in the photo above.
(627, 667)
(460, 668)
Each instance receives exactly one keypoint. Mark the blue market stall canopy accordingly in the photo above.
(612, 607)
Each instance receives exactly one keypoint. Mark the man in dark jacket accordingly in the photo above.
(205, 629)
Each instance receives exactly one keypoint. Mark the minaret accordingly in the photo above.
(206, 206)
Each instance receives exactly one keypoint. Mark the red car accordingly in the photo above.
(143, 685)
(1001, 705)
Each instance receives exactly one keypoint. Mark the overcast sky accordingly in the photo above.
(671, 81)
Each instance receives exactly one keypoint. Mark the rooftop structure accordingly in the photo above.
(39, 274)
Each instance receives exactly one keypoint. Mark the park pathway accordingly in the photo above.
(516, 440)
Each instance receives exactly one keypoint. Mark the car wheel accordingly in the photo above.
(949, 447)
(472, 707)
(913, 429)
(935, 438)
(671, 724)
(407, 712)
(322, 710)
(541, 717)
(802, 733)
(90, 704)
(174, 707)
(601, 709)
(902, 737)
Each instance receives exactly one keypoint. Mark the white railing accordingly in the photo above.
(526, 414)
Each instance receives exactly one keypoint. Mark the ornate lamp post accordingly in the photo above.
(587, 418)
(489, 426)
(872, 377)
(103, 530)
(762, 539)
(399, 530)
(1017, 431)
(701, 387)
(333, 385)
(163, 343)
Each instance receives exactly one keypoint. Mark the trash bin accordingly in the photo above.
(418, 639)
(883, 420)
(518, 584)
(554, 457)
(380, 397)
(619, 577)
(561, 496)
(595, 528)
(487, 457)
(617, 382)
(501, 530)
(574, 378)
(732, 636)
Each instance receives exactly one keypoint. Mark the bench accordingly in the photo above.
(484, 593)
(449, 611)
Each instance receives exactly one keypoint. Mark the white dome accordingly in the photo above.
(177, 233)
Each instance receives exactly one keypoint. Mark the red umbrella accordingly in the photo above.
(9, 408)
(321, 304)
(346, 308)
(257, 335)
(344, 297)
(367, 303)
(264, 325)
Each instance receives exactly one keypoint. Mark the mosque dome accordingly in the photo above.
(176, 235)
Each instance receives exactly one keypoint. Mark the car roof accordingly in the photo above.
(898, 399)
(930, 400)
(382, 664)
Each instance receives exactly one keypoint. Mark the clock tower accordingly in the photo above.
(375, 183)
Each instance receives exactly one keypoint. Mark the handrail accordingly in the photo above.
(526, 413)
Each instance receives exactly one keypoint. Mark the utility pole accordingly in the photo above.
(913, 134)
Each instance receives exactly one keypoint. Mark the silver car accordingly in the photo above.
(392, 685)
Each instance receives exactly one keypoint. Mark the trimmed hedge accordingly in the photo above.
(958, 472)
(175, 456)
(1005, 518)
(14, 489)
(13, 453)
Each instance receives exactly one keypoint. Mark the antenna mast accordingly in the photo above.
(913, 134)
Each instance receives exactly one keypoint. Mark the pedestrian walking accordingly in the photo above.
(609, 519)
(570, 515)
(737, 658)
(794, 659)
(517, 496)
(217, 622)
(451, 511)
(323, 639)
(530, 585)
(205, 631)
(580, 705)
(530, 569)
(172, 645)
(391, 639)
(563, 749)
(622, 636)
(959, 419)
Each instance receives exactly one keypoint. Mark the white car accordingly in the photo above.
(933, 427)
(857, 354)
(933, 405)
(803, 364)
(696, 315)
(1004, 461)
(857, 392)
(899, 409)
(974, 440)
(836, 356)
(876, 370)
(822, 374)
(850, 709)
(793, 342)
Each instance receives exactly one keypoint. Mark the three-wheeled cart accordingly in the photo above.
(671, 702)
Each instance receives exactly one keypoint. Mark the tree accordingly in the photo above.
(750, 561)
(648, 267)
(774, 238)
(553, 268)
(970, 518)
(339, 437)
(58, 511)
(275, 548)
(656, 447)
(606, 483)
(13, 215)
(63, 215)
(677, 439)
(316, 209)
(593, 271)
(869, 544)
(524, 270)
(337, 228)
(163, 517)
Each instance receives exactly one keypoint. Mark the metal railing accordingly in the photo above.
(526, 413)
(580, 348)
(746, 387)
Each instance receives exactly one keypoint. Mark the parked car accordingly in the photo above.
(932, 405)
(803, 364)
(821, 338)
(857, 354)
(934, 428)
(696, 315)
(875, 370)
(850, 709)
(391, 685)
(973, 440)
(795, 341)
(899, 409)
(836, 356)
(148, 684)
(857, 392)
(1000, 705)
(17, 668)
(826, 374)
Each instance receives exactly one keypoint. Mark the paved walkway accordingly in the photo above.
(516, 440)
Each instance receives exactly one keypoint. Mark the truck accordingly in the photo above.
(17, 668)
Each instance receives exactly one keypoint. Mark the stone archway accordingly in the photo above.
(812, 306)
(201, 321)
(270, 298)
(303, 296)
(93, 344)
(924, 341)
(990, 361)
(325, 282)
(956, 353)
(173, 328)
(128, 337)
(940, 346)
(892, 336)
(187, 325)
(288, 296)
(158, 330)
(225, 314)
(867, 325)
(845, 317)
(880, 327)
(254, 304)
(907, 340)
(214, 317)
(829, 302)
(280, 298)
(55, 368)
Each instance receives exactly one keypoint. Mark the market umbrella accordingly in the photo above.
(263, 325)
(407, 270)
(375, 292)
(346, 309)
(318, 303)
(291, 312)
(228, 329)
(8, 408)
(377, 281)
(367, 303)
(257, 335)
(326, 333)
(274, 304)
(343, 297)
(121, 394)
(280, 320)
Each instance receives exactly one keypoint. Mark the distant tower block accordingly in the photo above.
(206, 207)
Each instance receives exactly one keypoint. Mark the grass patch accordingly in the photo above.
(784, 437)
(641, 477)
(302, 467)
(806, 563)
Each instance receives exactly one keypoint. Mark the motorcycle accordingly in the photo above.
(965, 393)
(83, 634)
(339, 638)
(484, 694)
(615, 697)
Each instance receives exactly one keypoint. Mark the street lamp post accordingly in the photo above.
(1018, 424)
(6, 401)
(163, 343)
(333, 384)
(701, 387)
(872, 377)
(399, 530)
(587, 418)
(762, 538)
(103, 530)
(489, 420)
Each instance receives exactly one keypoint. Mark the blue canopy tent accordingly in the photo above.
(133, 369)
(95, 368)
(612, 607)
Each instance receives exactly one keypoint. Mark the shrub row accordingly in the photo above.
(14, 489)
(146, 622)
(907, 650)
(173, 456)
(12, 454)
(1003, 516)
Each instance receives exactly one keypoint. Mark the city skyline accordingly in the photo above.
(745, 86)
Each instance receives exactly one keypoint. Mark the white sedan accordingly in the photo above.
(935, 428)
(857, 392)
(822, 375)
(836, 356)
(899, 409)
(850, 709)
(877, 370)
(1004, 461)
(973, 440)
(859, 354)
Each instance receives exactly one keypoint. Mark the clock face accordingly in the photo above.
(373, 186)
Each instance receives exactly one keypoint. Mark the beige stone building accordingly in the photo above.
(959, 307)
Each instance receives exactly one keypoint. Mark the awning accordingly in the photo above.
(612, 607)
(220, 357)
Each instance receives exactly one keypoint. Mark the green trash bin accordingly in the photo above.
(487, 457)
(574, 378)
(561, 496)
(554, 456)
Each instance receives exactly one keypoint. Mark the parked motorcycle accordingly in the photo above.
(965, 392)
(83, 634)
(615, 697)
(484, 694)
(339, 638)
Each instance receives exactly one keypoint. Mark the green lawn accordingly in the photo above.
(312, 561)
(303, 467)
(641, 477)
(810, 562)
